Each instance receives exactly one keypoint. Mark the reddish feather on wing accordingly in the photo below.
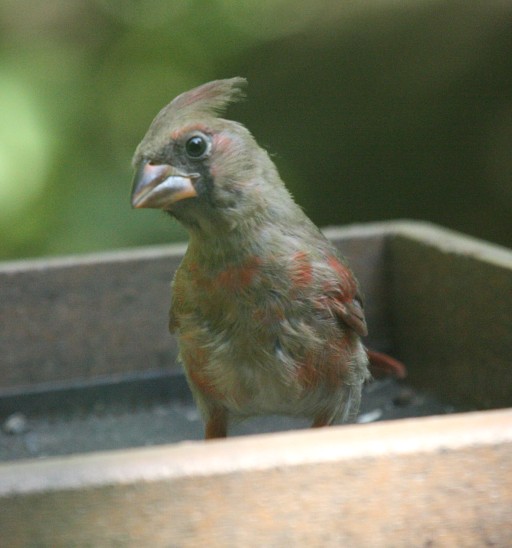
(344, 300)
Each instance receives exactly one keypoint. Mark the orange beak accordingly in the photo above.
(159, 186)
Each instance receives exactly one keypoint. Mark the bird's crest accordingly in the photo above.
(208, 100)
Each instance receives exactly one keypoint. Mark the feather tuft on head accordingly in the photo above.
(211, 98)
(208, 100)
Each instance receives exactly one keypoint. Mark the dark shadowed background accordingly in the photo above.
(373, 109)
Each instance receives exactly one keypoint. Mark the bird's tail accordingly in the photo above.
(382, 365)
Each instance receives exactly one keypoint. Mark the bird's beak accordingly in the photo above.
(159, 186)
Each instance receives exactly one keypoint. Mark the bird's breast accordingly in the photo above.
(255, 334)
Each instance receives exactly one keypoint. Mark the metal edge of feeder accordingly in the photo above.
(418, 482)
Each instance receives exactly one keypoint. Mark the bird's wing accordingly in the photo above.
(173, 321)
(344, 299)
(176, 304)
(350, 311)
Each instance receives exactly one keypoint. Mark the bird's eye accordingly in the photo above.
(196, 147)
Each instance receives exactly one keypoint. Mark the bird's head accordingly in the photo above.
(204, 170)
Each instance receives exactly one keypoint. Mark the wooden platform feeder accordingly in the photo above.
(439, 301)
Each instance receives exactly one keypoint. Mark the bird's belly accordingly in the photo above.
(250, 388)
(249, 383)
(267, 354)
(252, 374)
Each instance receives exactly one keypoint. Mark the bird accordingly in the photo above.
(268, 316)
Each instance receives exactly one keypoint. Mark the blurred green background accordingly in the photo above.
(373, 109)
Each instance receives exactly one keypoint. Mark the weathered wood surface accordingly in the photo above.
(420, 482)
(451, 314)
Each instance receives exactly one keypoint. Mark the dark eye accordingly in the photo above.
(196, 146)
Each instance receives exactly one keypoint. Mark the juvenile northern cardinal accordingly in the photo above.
(268, 316)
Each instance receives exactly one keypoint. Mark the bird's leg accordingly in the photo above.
(320, 421)
(216, 424)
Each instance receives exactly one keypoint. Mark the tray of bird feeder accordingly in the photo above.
(100, 435)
